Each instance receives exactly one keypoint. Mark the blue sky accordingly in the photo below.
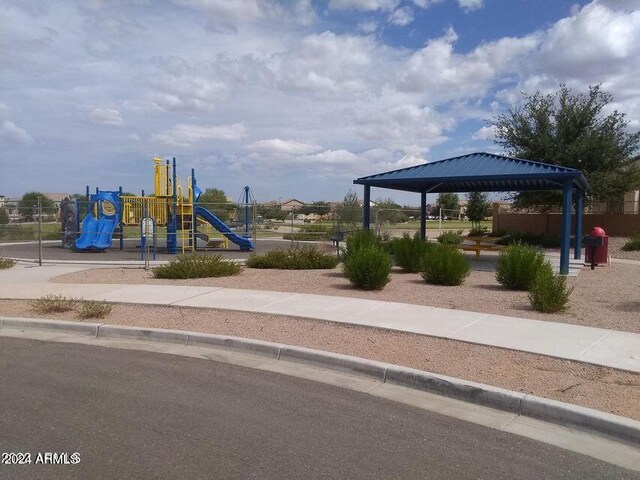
(295, 98)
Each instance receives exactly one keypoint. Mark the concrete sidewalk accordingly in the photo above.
(609, 348)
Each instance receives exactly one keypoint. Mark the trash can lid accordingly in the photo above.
(598, 232)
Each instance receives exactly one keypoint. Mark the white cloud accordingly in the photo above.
(10, 133)
(469, 5)
(402, 125)
(292, 147)
(401, 17)
(186, 93)
(186, 135)
(326, 64)
(366, 5)
(444, 74)
(485, 133)
(106, 116)
(368, 26)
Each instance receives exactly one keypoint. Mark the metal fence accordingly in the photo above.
(52, 231)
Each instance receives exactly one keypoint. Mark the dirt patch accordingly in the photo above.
(601, 298)
(573, 382)
(615, 249)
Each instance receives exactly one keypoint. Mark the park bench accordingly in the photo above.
(481, 244)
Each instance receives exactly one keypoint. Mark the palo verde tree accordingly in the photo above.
(449, 203)
(572, 130)
(349, 212)
(478, 208)
(28, 204)
(216, 200)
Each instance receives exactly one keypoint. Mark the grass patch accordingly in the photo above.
(368, 267)
(197, 266)
(549, 292)
(6, 263)
(294, 258)
(53, 304)
(445, 265)
(94, 309)
(633, 243)
(518, 265)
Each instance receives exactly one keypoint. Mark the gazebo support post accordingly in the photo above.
(366, 208)
(565, 241)
(577, 253)
(423, 215)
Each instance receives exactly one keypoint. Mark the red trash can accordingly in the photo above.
(601, 251)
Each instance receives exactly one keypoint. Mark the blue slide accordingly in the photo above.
(96, 234)
(244, 243)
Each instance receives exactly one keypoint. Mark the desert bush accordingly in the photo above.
(294, 258)
(6, 263)
(94, 309)
(633, 243)
(518, 265)
(197, 266)
(358, 240)
(368, 267)
(409, 252)
(450, 237)
(53, 304)
(542, 240)
(445, 265)
(549, 292)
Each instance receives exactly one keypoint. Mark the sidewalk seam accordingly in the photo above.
(606, 335)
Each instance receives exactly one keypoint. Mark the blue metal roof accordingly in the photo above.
(477, 172)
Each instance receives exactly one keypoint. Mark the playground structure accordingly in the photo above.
(110, 211)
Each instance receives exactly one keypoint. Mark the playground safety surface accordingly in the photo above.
(131, 252)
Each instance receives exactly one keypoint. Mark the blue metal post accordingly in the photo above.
(87, 194)
(423, 215)
(120, 219)
(194, 223)
(577, 253)
(246, 212)
(565, 241)
(366, 208)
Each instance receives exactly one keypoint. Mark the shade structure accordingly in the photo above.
(487, 172)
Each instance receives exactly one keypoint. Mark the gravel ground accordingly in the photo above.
(607, 297)
(615, 249)
(578, 383)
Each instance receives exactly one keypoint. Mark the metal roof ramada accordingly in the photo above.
(483, 172)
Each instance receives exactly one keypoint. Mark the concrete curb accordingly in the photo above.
(518, 403)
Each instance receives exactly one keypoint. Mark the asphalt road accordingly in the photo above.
(139, 415)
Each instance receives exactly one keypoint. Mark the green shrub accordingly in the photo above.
(6, 263)
(633, 243)
(358, 240)
(543, 240)
(368, 267)
(478, 232)
(450, 237)
(518, 265)
(294, 258)
(197, 266)
(549, 292)
(94, 309)
(409, 252)
(53, 304)
(445, 265)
